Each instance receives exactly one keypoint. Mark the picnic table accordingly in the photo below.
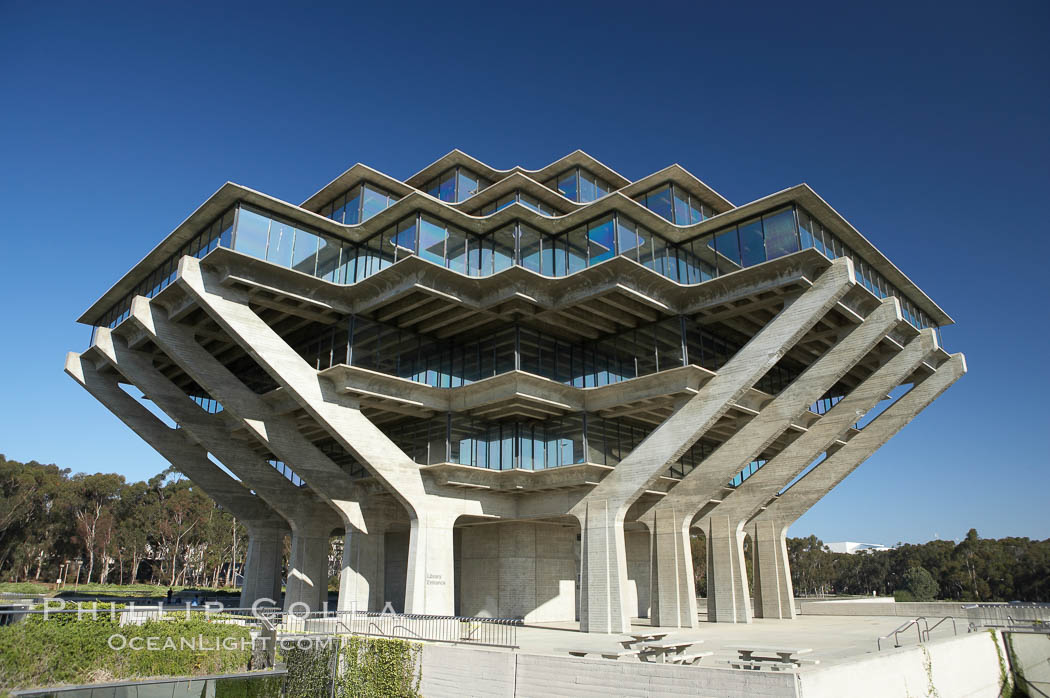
(644, 637)
(756, 657)
(660, 653)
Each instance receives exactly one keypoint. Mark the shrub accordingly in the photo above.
(62, 649)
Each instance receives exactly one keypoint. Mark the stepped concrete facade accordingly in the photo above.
(517, 393)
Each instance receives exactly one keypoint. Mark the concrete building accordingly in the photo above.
(517, 393)
(852, 548)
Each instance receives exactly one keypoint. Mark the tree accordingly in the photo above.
(919, 584)
(94, 515)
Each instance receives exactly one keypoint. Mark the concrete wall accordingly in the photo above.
(457, 672)
(396, 565)
(933, 609)
(519, 569)
(1030, 661)
(967, 665)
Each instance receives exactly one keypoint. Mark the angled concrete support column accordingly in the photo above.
(343, 420)
(278, 432)
(605, 506)
(266, 529)
(728, 597)
(772, 595)
(311, 520)
(772, 522)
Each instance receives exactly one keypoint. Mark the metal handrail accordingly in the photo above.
(955, 628)
(898, 631)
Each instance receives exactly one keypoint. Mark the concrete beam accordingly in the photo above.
(266, 529)
(769, 526)
(728, 597)
(311, 520)
(601, 512)
(429, 586)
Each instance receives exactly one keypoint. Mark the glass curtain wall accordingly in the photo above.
(675, 204)
(724, 251)
(577, 184)
(520, 197)
(455, 185)
(658, 346)
(358, 204)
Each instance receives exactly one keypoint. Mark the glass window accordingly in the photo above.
(681, 207)
(627, 237)
(728, 247)
(779, 229)
(373, 202)
(447, 187)
(403, 241)
(431, 240)
(252, 229)
(304, 257)
(696, 210)
(567, 185)
(279, 251)
(503, 248)
(660, 257)
(456, 252)
(659, 202)
(467, 184)
(577, 247)
(588, 190)
(752, 247)
(529, 241)
(805, 229)
(352, 208)
(601, 236)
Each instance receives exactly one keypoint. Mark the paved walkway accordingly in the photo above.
(833, 638)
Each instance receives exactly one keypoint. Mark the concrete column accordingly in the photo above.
(361, 583)
(602, 511)
(262, 564)
(671, 559)
(728, 596)
(307, 581)
(603, 570)
(430, 586)
(266, 528)
(774, 595)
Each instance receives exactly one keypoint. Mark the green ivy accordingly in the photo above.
(310, 669)
(380, 667)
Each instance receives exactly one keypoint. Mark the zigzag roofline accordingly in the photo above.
(231, 193)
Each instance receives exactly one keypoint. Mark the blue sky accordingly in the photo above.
(926, 128)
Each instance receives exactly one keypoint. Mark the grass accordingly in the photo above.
(135, 590)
